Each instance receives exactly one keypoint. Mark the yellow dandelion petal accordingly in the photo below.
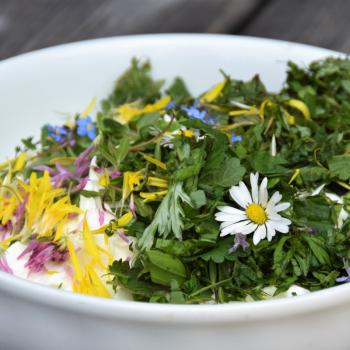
(294, 176)
(301, 107)
(290, 118)
(157, 182)
(127, 112)
(154, 161)
(89, 108)
(152, 196)
(78, 272)
(244, 112)
(213, 93)
(104, 180)
(125, 219)
(62, 160)
(20, 162)
(90, 245)
(131, 179)
(266, 103)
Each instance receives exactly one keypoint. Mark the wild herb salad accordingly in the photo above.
(239, 194)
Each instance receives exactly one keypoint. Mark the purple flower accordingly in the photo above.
(41, 254)
(45, 168)
(6, 230)
(80, 186)
(82, 163)
(240, 242)
(235, 138)
(62, 175)
(122, 235)
(86, 128)
(58, 133)
(345, 278)
(101, 216)
(132, 205)
(20, 211)
(4, 266)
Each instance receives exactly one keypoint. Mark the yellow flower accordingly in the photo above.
(213, 93)
(157, 182)
(131, 179)
(152, 196)
(301, 107)
(85, 278)
(104, 180)
(44, 211)
(154, 161)
(127, 112)
(20, 162)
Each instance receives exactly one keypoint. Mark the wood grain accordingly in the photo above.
(318, 22)
(32, 24)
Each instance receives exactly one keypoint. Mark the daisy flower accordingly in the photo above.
(259, 215)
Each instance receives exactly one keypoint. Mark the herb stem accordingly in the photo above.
(211, 286)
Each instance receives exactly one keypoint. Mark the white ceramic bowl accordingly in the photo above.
(33, 87)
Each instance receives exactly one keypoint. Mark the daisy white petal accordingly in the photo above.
(228, 223)
(281, 206)
(235, 193)
(254, 178)
(234, 228)
(251, 227)
(276, 197)
(263, 195)
(245, 193)
(259, 234)
(271, 232)
(278, 226)
(229, 217)
(230, 210)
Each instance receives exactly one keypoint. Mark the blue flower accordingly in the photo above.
(235, 138)
(170, 105)
(195, 112)
(58, 133)
(86, 128)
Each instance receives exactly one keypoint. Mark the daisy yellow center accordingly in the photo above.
(256, 213)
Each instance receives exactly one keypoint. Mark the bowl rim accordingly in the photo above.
(157, 313)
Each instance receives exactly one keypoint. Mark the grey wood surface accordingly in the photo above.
(27, 25)
(31, 24)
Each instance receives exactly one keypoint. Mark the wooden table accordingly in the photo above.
(27, 25)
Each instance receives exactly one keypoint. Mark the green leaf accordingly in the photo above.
(198, 199)
(265, 163)
(220, 252)
(178, 90)
(165, 268)
(316, 247)
(136, 83)
(339, 167)
(122, 149)
(313, 212)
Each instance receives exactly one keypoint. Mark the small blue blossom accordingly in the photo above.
(86, 128)
(344, 278)
(194, 111)
(235, 138)
(170, 105)
(58, 133)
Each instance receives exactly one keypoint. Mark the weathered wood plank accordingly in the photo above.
(41, 23)
(318, 22)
